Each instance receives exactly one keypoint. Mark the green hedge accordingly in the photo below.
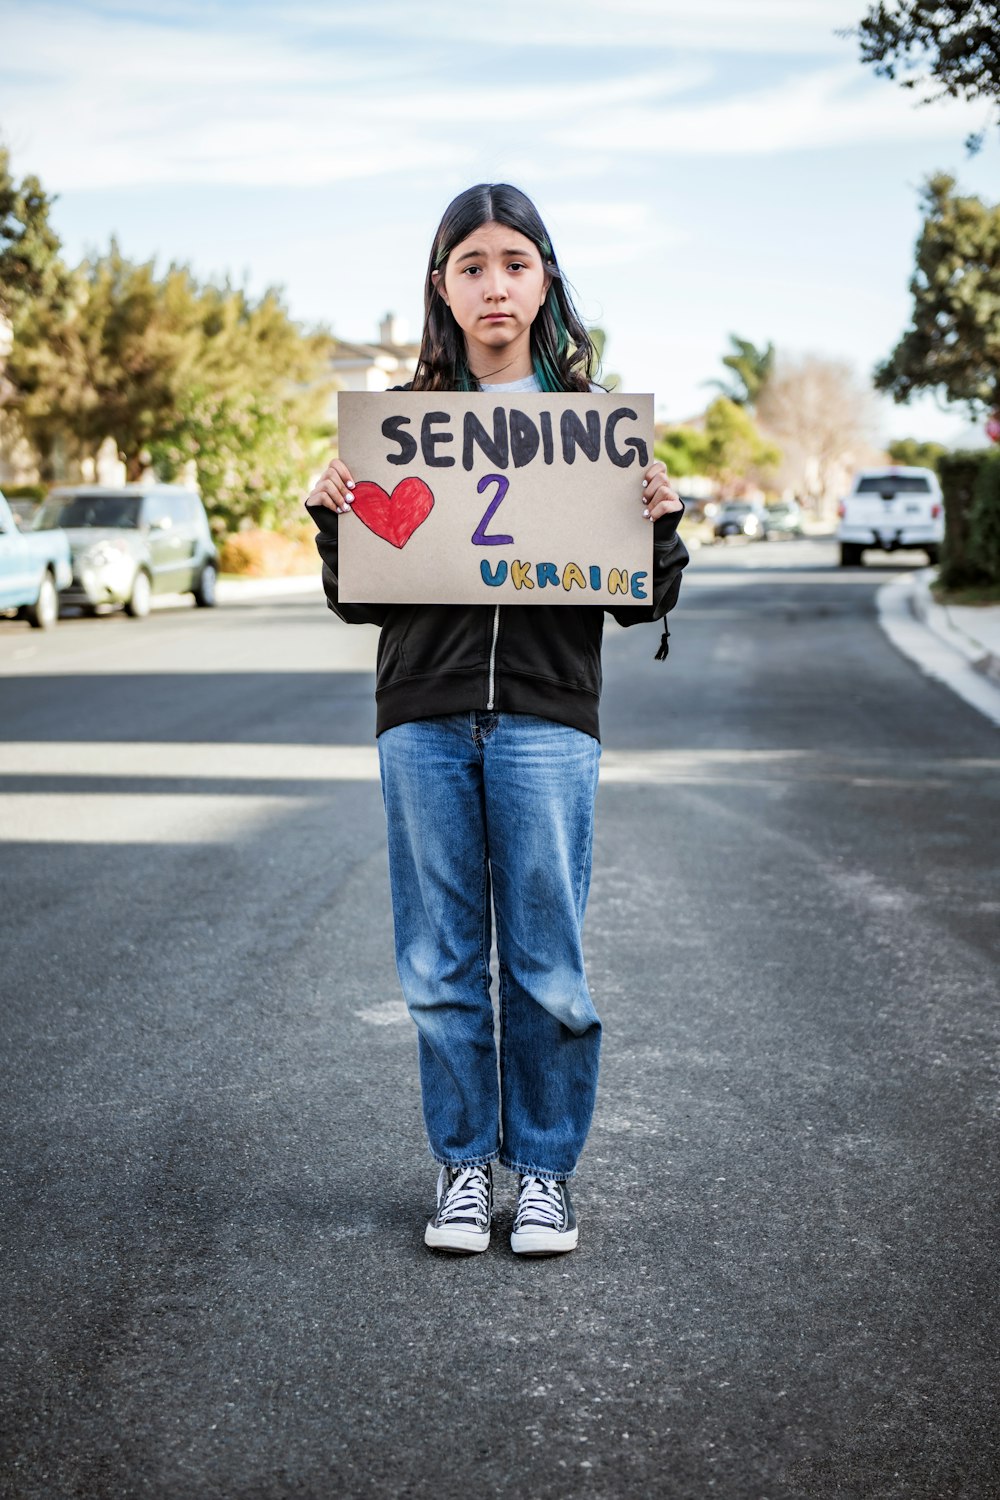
(36, 492)
(970, 483)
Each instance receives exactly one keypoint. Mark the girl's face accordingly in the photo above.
(495, 282)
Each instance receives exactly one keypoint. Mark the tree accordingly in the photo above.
(734, 450)
(954, 43)
(683, 450)
(32, 278)
(254, 453)
(609, 378)
(141, 340)
(252, 416)
(913, 454)
(176, 371)
(750, 369)
(824, 422)
(107, 357)
(30, 266)
(953, 344)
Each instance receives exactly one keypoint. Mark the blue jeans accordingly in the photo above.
(476, 801)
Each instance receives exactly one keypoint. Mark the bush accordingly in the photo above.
(984, 520)
(269, 554)
(35, 492)
(959, 473)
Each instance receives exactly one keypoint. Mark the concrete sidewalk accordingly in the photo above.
(250, 591)
(958, 645)
(243, 590)
(972, 630)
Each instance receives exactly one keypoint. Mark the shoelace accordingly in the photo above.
(467, 1198)
(540, 1201)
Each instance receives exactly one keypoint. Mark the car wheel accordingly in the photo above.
(140, 599)
(204, 594)
(44, 613)
(933, 555)
(850, 555)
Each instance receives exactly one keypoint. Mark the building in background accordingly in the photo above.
(390, 360)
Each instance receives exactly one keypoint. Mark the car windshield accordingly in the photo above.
(900, 484)
(736, 510)
(89, 510)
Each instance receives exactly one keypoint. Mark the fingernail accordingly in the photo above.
(644, 483)
(646, 514)
(350, 484)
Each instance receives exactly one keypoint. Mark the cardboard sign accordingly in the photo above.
(479, 498)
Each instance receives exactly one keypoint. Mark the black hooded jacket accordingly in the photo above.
(529, 659)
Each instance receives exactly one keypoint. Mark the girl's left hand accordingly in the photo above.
(659, 497)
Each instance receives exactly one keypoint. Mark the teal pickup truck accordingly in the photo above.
(34, 566)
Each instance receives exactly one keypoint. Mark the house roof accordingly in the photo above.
(372, 353)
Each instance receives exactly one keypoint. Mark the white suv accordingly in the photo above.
(888, 509)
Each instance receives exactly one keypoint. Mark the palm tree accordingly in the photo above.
(750, 368)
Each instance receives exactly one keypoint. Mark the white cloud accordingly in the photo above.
(304, 95)
(99, 102)
(820, 108)
(628, 233)
(762, 26)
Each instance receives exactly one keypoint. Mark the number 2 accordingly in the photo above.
(480, 538)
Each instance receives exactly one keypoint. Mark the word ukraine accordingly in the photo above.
(548, 575)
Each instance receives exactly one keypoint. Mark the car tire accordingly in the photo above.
(44, 613)
(205, 593)
(850, 555)
(933, 555)
(141, 598)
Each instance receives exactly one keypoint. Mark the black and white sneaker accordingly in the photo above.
(545, 1223)
(464, 1210)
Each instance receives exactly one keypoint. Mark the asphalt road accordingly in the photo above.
(214, 1171)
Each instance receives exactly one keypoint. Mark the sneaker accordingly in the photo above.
(464, 1210)
(545, 1223)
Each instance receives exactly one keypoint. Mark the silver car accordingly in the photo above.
(132, 542)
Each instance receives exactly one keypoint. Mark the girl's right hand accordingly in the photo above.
(333, 488)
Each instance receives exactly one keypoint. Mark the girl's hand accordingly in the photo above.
(333, 488)
(659, 497)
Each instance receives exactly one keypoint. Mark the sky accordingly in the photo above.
(728, 167)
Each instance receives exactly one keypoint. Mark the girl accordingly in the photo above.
(488, 737)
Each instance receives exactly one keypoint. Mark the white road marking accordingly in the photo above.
(69, 818)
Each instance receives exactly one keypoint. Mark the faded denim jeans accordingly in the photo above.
(479, 802)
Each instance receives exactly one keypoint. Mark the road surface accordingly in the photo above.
(215, 1174)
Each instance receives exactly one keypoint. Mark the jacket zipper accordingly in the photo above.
(493, 654)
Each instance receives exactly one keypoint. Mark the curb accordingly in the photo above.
(920, 630)
(232, 591)
(938, 619)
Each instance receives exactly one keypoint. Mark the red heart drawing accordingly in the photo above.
(393, 517)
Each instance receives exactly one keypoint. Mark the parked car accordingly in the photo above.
(23, 511)
(889, 509)
(133, 542)
(784, 518)
(740, 518)
(32, 570)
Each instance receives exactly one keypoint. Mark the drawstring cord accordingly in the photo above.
(664, 650)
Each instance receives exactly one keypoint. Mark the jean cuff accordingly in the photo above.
(523, 1169)
(466, 1161)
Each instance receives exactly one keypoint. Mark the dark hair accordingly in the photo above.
(562, 353)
